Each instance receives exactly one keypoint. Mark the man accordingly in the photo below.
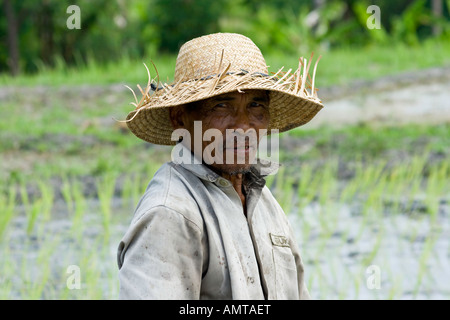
(207, 227)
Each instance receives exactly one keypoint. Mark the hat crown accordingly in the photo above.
(211, 54)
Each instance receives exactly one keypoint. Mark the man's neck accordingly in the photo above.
(237, 181)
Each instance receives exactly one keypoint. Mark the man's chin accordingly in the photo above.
(232, 169)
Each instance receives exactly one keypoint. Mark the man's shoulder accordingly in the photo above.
(170, 188)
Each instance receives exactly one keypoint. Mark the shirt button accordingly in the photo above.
(223, 182)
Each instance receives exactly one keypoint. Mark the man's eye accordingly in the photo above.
(220, 106)
(257, 105)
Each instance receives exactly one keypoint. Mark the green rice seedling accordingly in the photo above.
(33, 213)
(127, 191)
(328, 196)
(32, 210)
(423, 259)
(24, 194)
(152, 167)
(317, 275)
(79, 207)
(349, 191)
(286, 192)
(269, 180)
(90, 271)
(309, 184)
(304, 192)
(395, 188)
(405, 187)
(412, 180)
(364, 224)
(363, 186)
(105, 191)
(306, 230)
(367, 260)
(7, 271)
(140, 185)
(29, 277)
(42, 208)
(277, 186)
(7, 204)
(325, 217)
(349, 279)
(373, 205)
(40, 281)
(395, 281)
(323, 240)
(437, 188)
(67, 194)
(372, 174)
(132, 189)
(47, 196)
(328, 183)
(334, 277)
(357, 287)
(318, 189)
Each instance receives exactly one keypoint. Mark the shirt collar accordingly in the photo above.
(183, 156)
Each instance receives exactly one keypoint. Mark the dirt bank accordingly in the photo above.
(408, 97)
(411, 97)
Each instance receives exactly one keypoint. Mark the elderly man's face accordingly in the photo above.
(239, 117)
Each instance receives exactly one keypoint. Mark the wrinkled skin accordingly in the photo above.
(244, 112)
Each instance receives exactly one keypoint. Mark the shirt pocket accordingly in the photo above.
(286, 280)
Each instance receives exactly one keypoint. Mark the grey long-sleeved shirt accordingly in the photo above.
(189, 239)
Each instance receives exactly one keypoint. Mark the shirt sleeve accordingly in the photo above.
(161, 257)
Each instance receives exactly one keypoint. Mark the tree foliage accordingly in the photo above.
(34, 35)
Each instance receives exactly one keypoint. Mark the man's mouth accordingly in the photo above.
(246, 149)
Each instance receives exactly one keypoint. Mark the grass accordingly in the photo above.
(7, 203)
(106, 187)
(354, 63)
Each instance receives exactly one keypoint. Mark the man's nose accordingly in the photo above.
(242, 120)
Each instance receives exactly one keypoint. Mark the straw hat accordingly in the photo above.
(219, 63)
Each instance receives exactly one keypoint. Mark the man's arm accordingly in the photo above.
(161, 257)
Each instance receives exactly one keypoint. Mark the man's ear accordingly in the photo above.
(176, 116)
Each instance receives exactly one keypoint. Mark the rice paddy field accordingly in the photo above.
(369, 200)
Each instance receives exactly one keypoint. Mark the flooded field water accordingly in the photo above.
(393, 257)
(347, 255)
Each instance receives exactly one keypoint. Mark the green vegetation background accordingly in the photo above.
(115, 32)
